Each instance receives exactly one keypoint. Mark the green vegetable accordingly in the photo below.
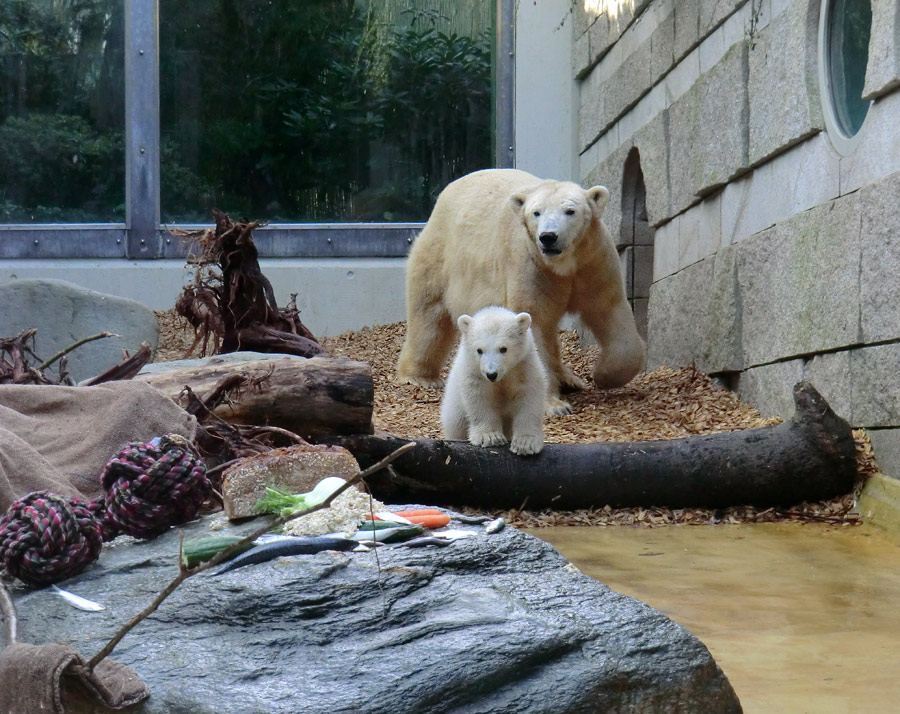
(283, 503)
(395, 534)
(368, 525)
(200, 550)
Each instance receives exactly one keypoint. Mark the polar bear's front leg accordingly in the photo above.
(429, 337)
(485, 425)
(528, 429)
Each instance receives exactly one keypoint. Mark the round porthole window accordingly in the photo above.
(844, 30)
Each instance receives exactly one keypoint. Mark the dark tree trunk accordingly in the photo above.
(809, 458)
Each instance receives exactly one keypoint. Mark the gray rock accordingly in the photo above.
(654, 148)
(886, 445)
(830, 374)
(720, 349)
(784, 89)
(677, 316)
(883, 67)
(63, 313)
(610, 173)
(662, 53)
(499, 623)
(714, 12)
(627, 83)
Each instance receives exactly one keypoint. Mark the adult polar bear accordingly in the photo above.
(505, 237)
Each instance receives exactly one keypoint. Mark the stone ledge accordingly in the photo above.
(879, 505)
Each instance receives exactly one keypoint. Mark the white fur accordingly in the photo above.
(497, 387)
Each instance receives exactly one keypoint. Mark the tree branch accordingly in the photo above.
(64, 352)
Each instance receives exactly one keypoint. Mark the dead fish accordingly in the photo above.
(423, 541)
(471, 520)
(296, 546)
(495, 526)
(78, 601)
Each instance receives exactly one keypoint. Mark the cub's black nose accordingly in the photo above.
(491, 376)
(548, 238)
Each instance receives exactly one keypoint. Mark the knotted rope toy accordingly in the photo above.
(45, 537)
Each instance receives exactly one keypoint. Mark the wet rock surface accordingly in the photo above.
(494, 623)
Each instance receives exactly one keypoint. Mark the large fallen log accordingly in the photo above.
(809, 458)
(313, 397)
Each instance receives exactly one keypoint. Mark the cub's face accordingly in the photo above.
(497, 339)
(556, 215)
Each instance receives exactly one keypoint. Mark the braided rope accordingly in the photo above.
(45, 537)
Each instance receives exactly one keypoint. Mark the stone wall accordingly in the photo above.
(774, 257)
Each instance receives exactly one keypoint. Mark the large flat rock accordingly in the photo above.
(64, 313)
(494, 623)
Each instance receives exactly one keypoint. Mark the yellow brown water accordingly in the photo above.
(802, 618)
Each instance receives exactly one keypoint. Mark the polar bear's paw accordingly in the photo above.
(422, 382)
(526, 444)
(571, 382)
(558, 407)
(487, 438)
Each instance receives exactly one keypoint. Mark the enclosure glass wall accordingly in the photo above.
(62, 156)
(321, 111)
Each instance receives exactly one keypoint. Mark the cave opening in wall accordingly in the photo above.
(636, 240)
(844, 30)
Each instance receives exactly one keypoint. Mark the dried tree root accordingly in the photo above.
(811, 457)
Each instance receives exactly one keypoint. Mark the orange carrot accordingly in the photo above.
(421, 512)
(428, 517)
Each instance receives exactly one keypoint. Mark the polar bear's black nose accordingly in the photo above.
(548, 238)
(491, 376)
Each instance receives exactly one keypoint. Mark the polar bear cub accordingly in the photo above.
(497, 387)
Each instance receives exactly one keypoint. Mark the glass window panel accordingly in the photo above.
(62, 150)
(324, 110)
(849, 27)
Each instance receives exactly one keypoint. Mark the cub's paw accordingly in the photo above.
(525, 444)
(487, 438)
(557, 407)
(571, 382)
(423, 382)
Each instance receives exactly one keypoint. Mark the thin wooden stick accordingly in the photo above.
(224, 554)
(64, 352)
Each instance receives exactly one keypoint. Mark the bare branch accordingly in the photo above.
(62, 353)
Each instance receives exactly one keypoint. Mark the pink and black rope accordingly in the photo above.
(45, 537)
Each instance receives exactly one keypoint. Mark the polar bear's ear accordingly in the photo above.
(464, 323)
(599, 197)
(523, 321)
(517, 200)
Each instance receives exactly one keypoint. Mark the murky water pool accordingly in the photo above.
(802, 618)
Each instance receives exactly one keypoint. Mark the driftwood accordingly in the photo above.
(312, 398)
(809, 458)
(231, 302)
(126, 369)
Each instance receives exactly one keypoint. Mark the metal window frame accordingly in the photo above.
(142, 237)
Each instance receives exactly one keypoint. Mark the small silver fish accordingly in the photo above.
(78, 601)
(495, 526)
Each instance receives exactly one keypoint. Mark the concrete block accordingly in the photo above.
(63, 313)
(714, 12)
(880, 260)
(720, 349)
(581, 56)
(876, 391)
(770, 388)
(662, 47)
(626, 84)
(883, 68)
(688, 238)
(748, 205)
(665, 253)
(639, 308)
(682, 77)
(709, 236)
(877, 154)
(652, 142)
(830, 374)
(648, 108)
(590, 109)
(601, 38)
(784, 98)
(585, 14)
(621, 15)
(708, 130)
(886, 445)
(799, 284)
(687, 27)
(711, 50)
(677, 314)
(643, 270)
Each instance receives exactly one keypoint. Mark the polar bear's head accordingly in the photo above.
(556, 215)
(497, 338)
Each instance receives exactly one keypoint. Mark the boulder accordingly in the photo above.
(492, 623)
(64, 313)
